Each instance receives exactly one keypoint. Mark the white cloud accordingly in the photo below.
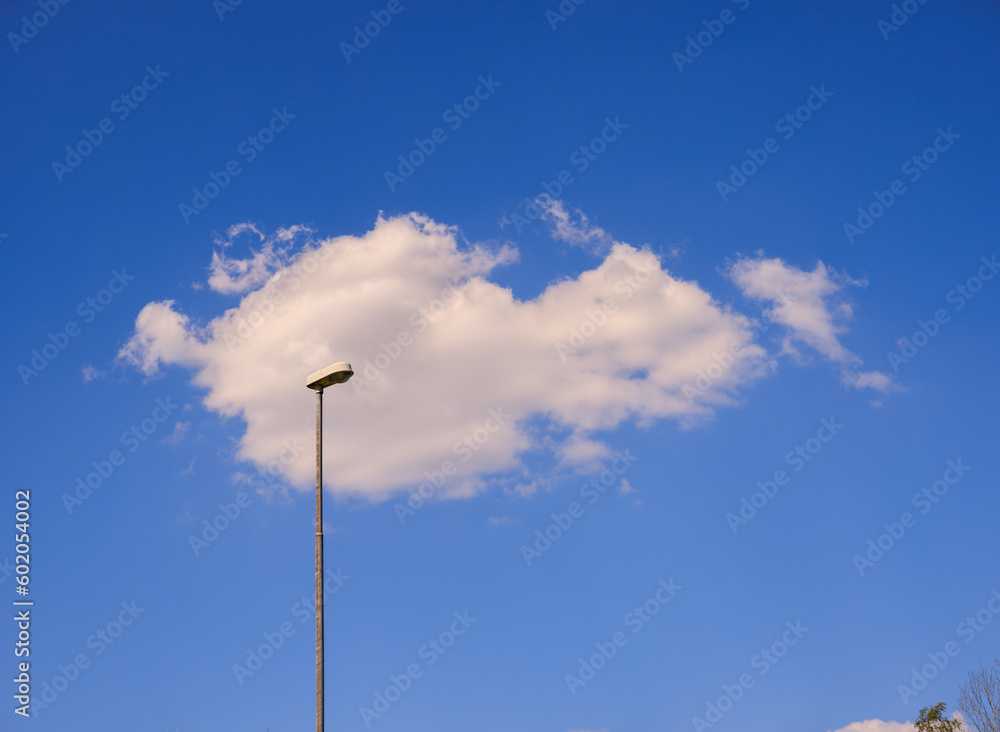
(573, 228)
(871, 379)
(877, 725)
(90, 373)
(175, 437)
(811, 306)
(472, 347)
(436, 344)
(233, 275)
(582, 452)
(527, 487)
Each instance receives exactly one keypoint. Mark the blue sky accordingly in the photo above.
(611, 271)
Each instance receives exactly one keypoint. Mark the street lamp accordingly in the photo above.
(338, 373)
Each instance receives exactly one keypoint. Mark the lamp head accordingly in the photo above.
(338, 373)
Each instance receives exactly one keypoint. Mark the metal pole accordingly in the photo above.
(319, 561)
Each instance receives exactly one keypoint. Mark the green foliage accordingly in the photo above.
(934, 719)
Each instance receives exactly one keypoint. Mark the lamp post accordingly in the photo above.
(338, 373)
